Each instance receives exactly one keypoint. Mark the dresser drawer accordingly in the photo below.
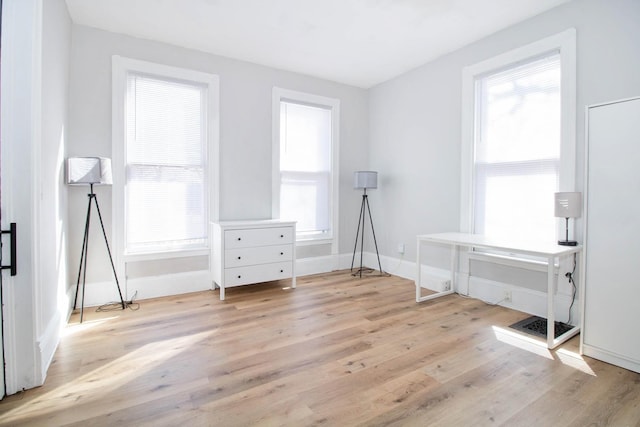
(257, 273)
(249, 237)
(257, 255)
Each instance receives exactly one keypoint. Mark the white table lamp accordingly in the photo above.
(568, 205)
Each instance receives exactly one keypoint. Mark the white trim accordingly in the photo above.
(120, 67)
(99, 293)
(316, 265)
(41, 364)
(522, 299)
(565, 43)
(49, 340)
(280, 94)
(610, 357)
(603, 104)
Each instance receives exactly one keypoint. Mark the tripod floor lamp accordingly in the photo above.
(364, 180)
(90, 171)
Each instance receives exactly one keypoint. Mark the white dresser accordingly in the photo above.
(246, 252)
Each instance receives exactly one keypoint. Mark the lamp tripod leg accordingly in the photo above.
(83, 257)
(364, 219)
(83, 252)
(374, 236)
(355, 246)
(106, 242)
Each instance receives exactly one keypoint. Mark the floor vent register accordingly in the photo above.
(537, 326)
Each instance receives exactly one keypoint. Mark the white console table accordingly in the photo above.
(551, 251)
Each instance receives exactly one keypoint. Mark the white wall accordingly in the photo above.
(245, 138)
(415, 121)
(53, 284)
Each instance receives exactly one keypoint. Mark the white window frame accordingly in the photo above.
(565, 44)
(280, 94)
(121, 66)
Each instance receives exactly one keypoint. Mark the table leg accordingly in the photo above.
(418, 272)
(551, 281)
(455, 250)
(552, 340)
(419, 297)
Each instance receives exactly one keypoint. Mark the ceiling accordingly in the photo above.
(356, 42)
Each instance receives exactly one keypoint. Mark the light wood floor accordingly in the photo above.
(336, 351)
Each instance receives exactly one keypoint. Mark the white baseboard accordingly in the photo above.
(99, 293)
(610, 357)
(317, 265)
(48, 343)
(433, 278)
(169, 284)
(522, 299)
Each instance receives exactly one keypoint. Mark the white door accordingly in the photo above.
(20, 76)
(3, 383)
(612, 294)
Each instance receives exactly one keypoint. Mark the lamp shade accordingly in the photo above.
(89, 170)
(365, 179)
(568, 204)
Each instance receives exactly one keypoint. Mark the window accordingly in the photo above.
(164, 118)
(519, 139)
(517, 150)
(304, 163)
(165, 165)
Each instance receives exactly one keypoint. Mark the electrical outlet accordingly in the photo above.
(506, 296)
(400, 248)
(446, 285)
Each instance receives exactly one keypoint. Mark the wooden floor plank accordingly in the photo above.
(337, 350)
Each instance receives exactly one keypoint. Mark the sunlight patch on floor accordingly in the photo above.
(532, 345)
(99, 382)
(522, 341)
(575, 360)
(75, 328)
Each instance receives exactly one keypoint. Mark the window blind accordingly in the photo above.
(305, 167)
(517, 150)
(165, 152)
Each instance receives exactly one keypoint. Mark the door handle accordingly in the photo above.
(13, 249)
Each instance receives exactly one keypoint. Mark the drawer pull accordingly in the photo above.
(239, 238)
(239, 257)
(281, 253)
(239, 276)
(281, 236)
(281, 271)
